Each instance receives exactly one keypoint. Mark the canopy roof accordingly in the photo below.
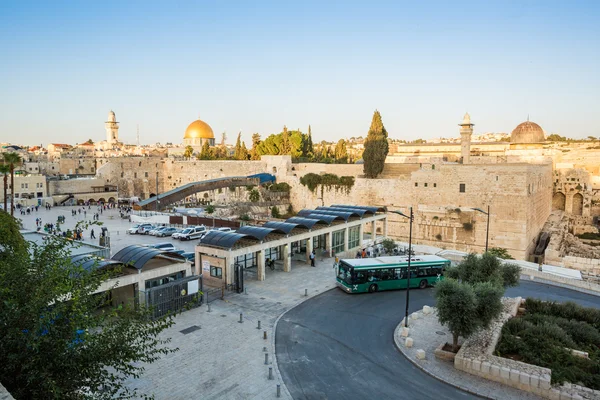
(137, 256)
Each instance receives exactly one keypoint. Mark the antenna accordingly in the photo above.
(138, 134)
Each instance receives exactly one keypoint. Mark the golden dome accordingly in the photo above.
(199, 129)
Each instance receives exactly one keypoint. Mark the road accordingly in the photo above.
(340, 346)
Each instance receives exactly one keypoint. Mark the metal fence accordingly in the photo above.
(173, 297)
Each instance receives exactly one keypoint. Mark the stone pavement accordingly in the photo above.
(427, 334)
(224, 359)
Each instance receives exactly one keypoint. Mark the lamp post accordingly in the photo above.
(487, 229)
(410, 217)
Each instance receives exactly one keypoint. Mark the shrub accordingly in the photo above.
(389, 245)
(209, 209)
(249, 187)
(245, 217)
(254, 196)
(275, 212)
(280, 187)
(486, 268)
(500, 253)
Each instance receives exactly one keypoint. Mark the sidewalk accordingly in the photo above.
(225, 358)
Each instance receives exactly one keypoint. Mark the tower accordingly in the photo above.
(112, 128)
(466, 130)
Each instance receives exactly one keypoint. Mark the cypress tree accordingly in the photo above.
(376, 147)
(309, 144)
(341, 152)
(237, 154)
(255, 142)
(286, 147)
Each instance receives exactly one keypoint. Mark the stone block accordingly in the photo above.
(476, 365)
(408, 342)
(467, 363)
(415, 315)
(534, 380)
(427, 310)
(404, 332)
(554, 394)
(545, 382)
(524, 378)
(421, 354)
(495, 370)
(514, 375)
(485, 367)
(505, 373)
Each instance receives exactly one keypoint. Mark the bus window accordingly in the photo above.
(373, 275)
(386, 274)
(344, 273)
(359, 277)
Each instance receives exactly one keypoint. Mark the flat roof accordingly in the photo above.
(392, 260)
(77, 248)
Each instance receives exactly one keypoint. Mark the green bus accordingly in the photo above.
(360, 275)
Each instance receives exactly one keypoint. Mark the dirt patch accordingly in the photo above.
(448, 347)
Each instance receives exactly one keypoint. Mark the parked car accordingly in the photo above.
(166, 246)
(177, 233)
(225, 229)
(155, 231)
(166, 232)
(139, 228)
(145, 229)
(192, 233)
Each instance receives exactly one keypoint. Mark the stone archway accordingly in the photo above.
(92, 202)
(80, 202)
(111, 199)
(558, 201)
(101, 200)
(577, 204)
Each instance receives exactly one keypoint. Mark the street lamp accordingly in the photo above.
(487, 230)
(410, 217)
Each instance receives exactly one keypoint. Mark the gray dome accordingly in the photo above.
(527, 132)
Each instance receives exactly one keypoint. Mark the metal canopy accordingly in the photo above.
(225, 240)
(358, 211)
(344, 214)
(137, 256)
(259, 232)
(328, 218)
(285, 227)
(307, 223)
(89, 263)
(368, 208)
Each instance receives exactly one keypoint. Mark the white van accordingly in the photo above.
(192, 233)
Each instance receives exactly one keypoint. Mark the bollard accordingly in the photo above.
(241, 320)
(306, 292)
(258, 327)
(264, 349)
(278, 390)
(208, 304)
(245, 291)
(270, 373)
(265, 335)
(266, 358)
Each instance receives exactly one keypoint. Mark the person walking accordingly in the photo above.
(92, 235)
(312, 258)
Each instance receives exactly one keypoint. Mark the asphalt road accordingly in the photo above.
(340, 346)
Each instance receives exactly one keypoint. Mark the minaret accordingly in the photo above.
(466, 130)
(112, 128)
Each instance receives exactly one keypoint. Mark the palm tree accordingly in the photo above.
(5, 170)
(189, 150)
(12, 159)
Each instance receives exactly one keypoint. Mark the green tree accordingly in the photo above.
(485, 268)
(389, 245)
(206, 153)
(254, 155)
(209, 209)
(59, 340)
(286, 147)
(556, 138)
(310, 151)
(376, 147)
(456, 308)
(341, 152)
(5, 171)
(275, 212)
(12, 159)
(254, 195)
(238, 154)
(244, 152)
(189, 150)
(500, 253)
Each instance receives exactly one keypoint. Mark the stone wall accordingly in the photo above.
(78, 185)
(588, 265)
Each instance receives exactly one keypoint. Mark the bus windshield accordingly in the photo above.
(345, 273)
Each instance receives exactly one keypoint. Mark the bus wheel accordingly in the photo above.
(372, 288)
(423, 284)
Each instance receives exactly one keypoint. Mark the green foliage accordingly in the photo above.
(556, 138)
(254, 155)
(254, 195)
(389, 245)
(250, 187)
(232, 189)
(240, 152)
(543, 335)
(589, 236)
(275, 212)
(294, 143)
(341, 152)
(500, 253)
(457, 308)
(206, 153)
(189, 150)
(209, 209)
(489, 302)
(245, 217)
(376, 147)
(312, 181)
(52, 348)
(280, 187)
(486, 268)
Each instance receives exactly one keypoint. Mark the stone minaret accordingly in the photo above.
(466, 130)
(112, 128)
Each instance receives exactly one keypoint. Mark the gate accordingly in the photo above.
(174, 296)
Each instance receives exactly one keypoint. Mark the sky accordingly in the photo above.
(255, 66)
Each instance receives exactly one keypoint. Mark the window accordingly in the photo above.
(432, 166)
(416, 184)
(337, 239)
(461, 188)
(353, 237)
(146, 174)
(425, 184)
(216, 272)
(435, 185)
(135, 174)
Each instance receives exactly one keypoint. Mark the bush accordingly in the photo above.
(209, 209)
(500, 253)
(275, 212)
(245, 217)
(389, 245)
(486, 268)
(254, 196)
(280, 187)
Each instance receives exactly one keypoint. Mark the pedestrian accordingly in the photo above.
(92, 235)
(364, 253)
(312, 258)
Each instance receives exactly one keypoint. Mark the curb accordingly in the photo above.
(272, 341)
(416, 364)
(542, 281)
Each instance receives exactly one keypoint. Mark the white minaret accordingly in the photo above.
(466, 130)
(112, 128)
